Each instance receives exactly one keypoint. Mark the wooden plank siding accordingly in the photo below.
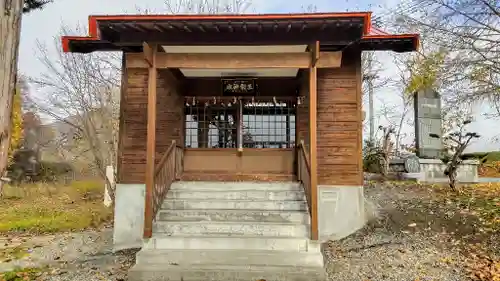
(302, 118)
(340, 123)
(133, 121)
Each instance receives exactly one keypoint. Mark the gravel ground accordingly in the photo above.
(84, 256)
(410, 237)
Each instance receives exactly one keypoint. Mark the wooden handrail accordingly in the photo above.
(306, 156)
(164, 158)
(304, 176)
(166, 172)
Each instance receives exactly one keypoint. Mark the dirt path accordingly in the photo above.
(82, 256)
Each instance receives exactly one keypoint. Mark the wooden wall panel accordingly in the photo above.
(339, 123)
(230, 161)
(302, 121)
(133, 121)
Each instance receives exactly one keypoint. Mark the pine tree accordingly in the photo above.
(30, 5)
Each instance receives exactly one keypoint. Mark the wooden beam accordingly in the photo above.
(151, 146)
(313, 112)
(329, 59)
(315, 55)
(238, 61)
(148, 52)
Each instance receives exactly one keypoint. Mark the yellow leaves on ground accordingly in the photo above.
(481, 200)
(491, 169)
(25, 274)
(482, 267)
(41, 208)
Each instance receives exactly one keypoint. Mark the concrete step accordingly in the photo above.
(203, 204)
(230, 194)
(226, 242)
(156, 272)
(235, 186)
(223, 176)
(232, 228)
(230, 257)
(234, 215)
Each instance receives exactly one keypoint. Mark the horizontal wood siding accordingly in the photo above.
(133, 122)
(339, 123)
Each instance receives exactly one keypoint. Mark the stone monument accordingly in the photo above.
(427, 108)
(428, 120)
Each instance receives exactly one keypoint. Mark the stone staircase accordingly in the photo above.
(234, 231)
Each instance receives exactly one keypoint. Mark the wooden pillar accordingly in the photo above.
(288, 135)
(313, 112)
(150, 57)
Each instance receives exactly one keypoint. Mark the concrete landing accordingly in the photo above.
(227, 231)
(155, 272)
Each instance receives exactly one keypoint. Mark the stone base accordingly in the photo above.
(129, 216)
(432, 171)
(341, 211)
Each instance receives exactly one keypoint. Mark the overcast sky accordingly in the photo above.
(45, 25)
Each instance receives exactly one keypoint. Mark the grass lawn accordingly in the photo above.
(22, 274)
(48, 208)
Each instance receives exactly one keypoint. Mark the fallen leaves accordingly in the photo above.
(22, 274)
(482, 267)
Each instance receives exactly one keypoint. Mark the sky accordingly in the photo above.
(43, 26)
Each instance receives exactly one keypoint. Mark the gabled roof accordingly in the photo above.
(333, 30)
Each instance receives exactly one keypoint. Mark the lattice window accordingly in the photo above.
(268, 124)
(211, 126)
(217, 122)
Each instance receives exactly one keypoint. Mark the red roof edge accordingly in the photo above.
(94, 31)
(368, 23)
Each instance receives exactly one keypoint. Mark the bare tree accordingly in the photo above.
(207, 6)
(377, 154)
(80, 93)
(10, 31)
(372, 80)
(460, 140)
(470, 32)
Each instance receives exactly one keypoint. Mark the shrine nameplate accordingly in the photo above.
(238, 87)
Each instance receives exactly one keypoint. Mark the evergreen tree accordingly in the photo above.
(30, 5)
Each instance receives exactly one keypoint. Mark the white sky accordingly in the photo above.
(44, 26)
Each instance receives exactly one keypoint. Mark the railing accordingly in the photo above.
(168, 170)
(304, 176)
(304, 171)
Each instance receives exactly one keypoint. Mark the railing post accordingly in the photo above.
(299, 165)
(313, 111)
(175, 159)
(150, 56)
